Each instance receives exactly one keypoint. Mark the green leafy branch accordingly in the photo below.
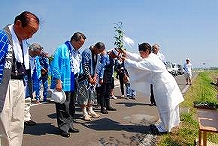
(119, 34)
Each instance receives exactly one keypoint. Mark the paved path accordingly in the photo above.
(128, 126)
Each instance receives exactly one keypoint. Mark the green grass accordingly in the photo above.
(200, 91)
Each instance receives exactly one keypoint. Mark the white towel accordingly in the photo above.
(17, 49)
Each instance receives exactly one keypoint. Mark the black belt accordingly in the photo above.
(76, 75)
(16, 77)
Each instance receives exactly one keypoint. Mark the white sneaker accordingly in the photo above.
(113, 97)
(87, 117)
(122, 96)
(94, 115)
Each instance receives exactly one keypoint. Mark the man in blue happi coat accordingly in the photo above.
(65, 68)
(14, 63)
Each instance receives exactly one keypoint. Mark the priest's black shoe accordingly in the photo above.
(155, 131)
(74, 130)
(29, 123)
(65, 134)
(153, 104)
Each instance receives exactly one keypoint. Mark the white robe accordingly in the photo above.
(167, 94)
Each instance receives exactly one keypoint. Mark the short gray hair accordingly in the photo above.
(35, 46)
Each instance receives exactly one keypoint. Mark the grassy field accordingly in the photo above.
(202, 91)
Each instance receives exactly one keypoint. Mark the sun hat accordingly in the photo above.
(58, 96)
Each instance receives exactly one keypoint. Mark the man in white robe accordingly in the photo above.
(146, 69)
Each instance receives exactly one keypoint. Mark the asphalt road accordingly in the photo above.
(128, 126)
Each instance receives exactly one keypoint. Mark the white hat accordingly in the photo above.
(58, 96)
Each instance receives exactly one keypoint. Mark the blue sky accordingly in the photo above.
(184, 29)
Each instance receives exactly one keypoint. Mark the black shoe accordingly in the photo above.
(155, 131)
(104, 111)
(65, 134)
(163, 133)
(111, 109)
(133, 98)
(153, 103)
(29, 123)
(73, 130)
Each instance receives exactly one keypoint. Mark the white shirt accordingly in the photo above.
(76, 57)
(32, 64)
(161, 57)
(188, 68)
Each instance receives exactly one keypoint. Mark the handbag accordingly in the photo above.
(125, 78)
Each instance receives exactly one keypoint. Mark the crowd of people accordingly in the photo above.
(84, 77)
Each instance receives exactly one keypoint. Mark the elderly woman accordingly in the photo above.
(146, 69)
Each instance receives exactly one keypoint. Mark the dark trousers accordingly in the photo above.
(121, 82)
(152, 100)
(66, 111)
(105, 94)
(98, 92)
(45, 87)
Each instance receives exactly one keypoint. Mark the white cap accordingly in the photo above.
(58, 96)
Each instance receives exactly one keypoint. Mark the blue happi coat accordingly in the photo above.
(60, 68)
